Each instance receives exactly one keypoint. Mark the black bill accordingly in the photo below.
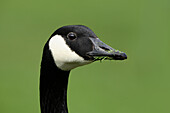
(101, 51)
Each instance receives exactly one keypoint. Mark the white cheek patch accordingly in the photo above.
(64, 57)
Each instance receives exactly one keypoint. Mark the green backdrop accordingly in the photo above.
(141, 28)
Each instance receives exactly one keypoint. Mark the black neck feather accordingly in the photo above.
(53, 86)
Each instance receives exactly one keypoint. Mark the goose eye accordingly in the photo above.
(72, 36)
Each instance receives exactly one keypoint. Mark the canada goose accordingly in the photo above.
(67, 48)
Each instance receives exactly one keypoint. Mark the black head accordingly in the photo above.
(75, 45)
(77, 38)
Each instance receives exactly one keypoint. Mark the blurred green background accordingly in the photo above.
(141, 28)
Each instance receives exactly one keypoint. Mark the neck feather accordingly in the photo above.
(53, 86)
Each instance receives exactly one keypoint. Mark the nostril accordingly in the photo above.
(106, 49)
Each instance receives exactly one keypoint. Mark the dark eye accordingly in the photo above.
(72, 36)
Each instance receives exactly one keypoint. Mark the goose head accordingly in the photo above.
(76, 45)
